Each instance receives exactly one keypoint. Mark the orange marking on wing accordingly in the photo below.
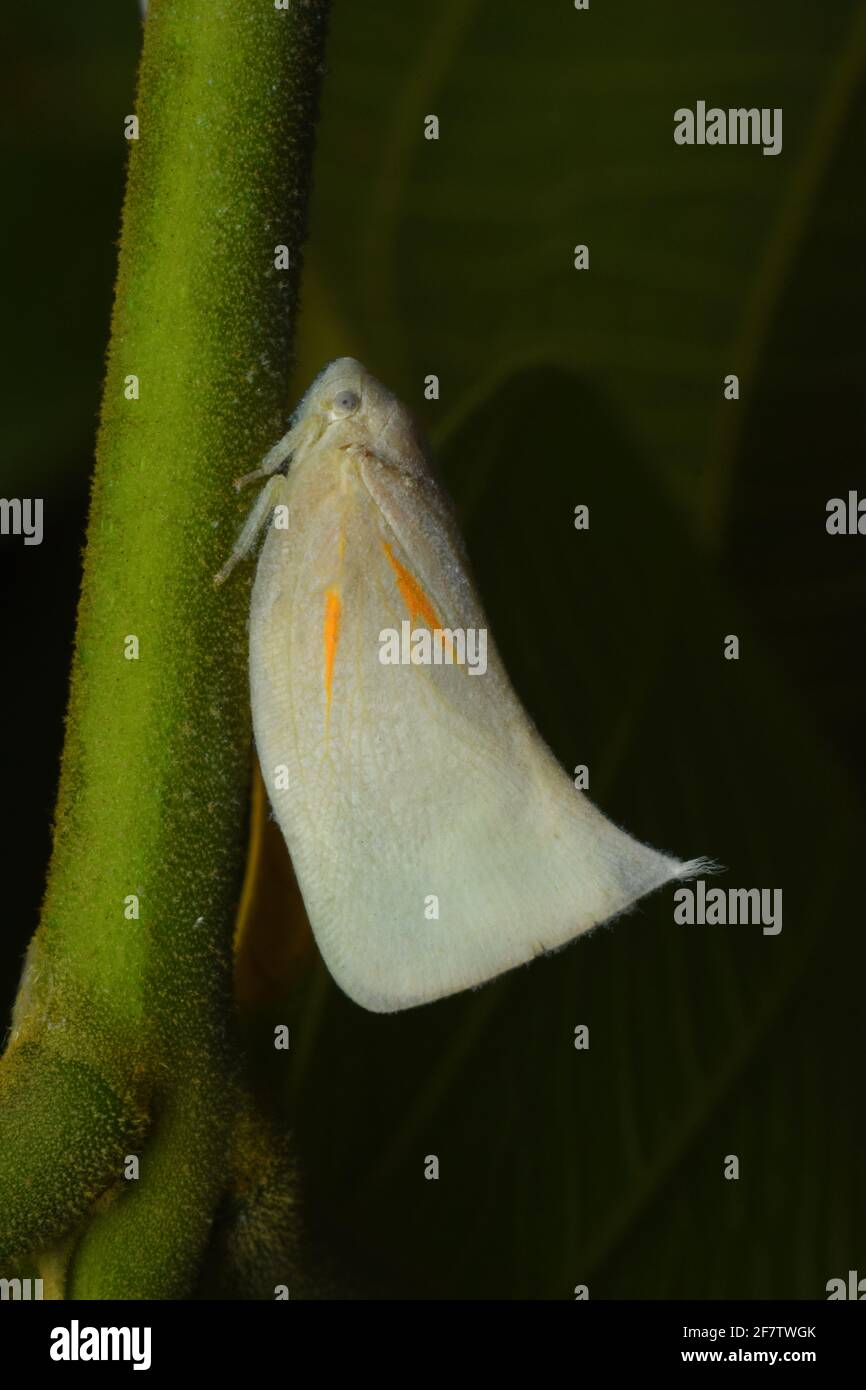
(414, 597)
(331, 636)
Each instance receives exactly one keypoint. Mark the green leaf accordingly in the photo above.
(558, 387)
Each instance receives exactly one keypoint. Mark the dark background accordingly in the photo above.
(707, 518)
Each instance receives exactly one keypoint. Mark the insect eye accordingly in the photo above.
(345, 403)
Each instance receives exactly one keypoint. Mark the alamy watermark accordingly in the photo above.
(22, 516)
(77, 1343)
(700, 905)
(23, 1290)
(739, 125)
(439, 646)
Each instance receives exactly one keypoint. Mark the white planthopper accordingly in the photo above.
(436, 840)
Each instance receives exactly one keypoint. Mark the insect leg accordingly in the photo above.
(273, 459)
(252, 527)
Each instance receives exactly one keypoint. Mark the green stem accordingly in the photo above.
(122, 1023)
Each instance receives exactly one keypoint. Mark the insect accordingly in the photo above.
(436, 840)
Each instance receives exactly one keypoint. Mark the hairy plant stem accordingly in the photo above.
(122, 1043)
